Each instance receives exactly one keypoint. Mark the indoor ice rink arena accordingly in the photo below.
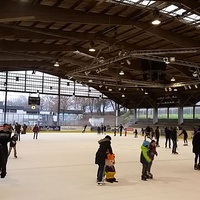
(60, 166)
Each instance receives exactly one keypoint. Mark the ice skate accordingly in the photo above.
(100, 183)
(195, 167)
(150, 175)
(143, 178)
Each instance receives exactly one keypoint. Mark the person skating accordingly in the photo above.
(110, 168)
(157, 136)
(185, 137)
(5, 136)
(13, 145)
(145, 159)
(152, 153)
(174, 140)
(36, 130)
(120, 129)
(136, 133)
(101, 154)
(167, 137)
(196, 149)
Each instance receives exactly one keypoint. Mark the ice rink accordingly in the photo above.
(61, 167)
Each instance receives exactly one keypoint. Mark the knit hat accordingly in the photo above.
(146, 143)
(108, 137)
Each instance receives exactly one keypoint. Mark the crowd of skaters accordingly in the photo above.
(9, 135)
(148, 148)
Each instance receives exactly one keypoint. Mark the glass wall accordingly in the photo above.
(162, 113)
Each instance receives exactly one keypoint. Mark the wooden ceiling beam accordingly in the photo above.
(14, 10)
(19, 63)
(17, 46)
(13, 32)
(167, 35)
(40, 33)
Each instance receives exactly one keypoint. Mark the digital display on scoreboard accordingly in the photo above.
(33, 100)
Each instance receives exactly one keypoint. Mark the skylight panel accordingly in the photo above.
(194, 16)
(147, 3)
(179, 11)
(189, 19)
(131, 1)
(170, 8)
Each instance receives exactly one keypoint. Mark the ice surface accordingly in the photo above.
(61, 167)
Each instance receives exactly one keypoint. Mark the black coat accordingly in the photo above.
(5, 137)
(2, 156)
(174, 134)
(196, 143)
(104, 147)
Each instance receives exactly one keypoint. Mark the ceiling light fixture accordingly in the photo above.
(121, 73)
(56, 64)
(194, 74)
(123, 95)
(173, 79)
(128, 62)
(146, 92)
(185, 87)
(92, 49)
(196, 86)
(156, 21)
(166, 60)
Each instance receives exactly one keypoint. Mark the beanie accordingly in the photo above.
(146, 143)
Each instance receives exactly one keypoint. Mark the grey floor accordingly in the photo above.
(61, 166)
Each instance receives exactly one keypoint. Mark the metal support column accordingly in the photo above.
(6, 95)
(180, 115)
(58, 113)
(155, 115)
(116, 114)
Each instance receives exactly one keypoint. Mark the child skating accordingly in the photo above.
(145, 159)
(110, 168)
(13, 143)
(152, 152)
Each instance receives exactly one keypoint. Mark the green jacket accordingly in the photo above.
(144, 157)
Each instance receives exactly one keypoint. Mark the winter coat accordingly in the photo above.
(5, 137)
(157, 132)
(185, 135)
(104, 148)
(174, 134)
(35, 129)
(152, 151)
(167, 133)
(196, 143)
(144, 156)
(2, 156)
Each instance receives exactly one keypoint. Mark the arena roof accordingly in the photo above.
(160, 62)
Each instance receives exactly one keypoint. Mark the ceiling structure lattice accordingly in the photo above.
(160, 63)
